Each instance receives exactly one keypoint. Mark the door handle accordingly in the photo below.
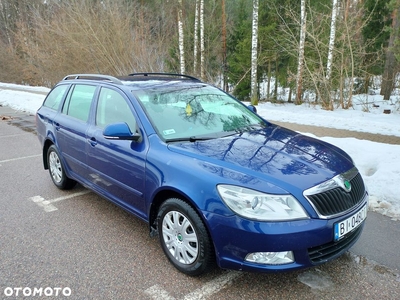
(93, 141)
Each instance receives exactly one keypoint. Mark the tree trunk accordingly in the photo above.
(254, 43)
(196, 37)
(181, 38)
(202, 49)
(276, 80)
(269, 79)
(224, 65)
(331, 40)
(300, 65)
(390, 63)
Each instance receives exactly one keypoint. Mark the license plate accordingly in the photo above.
(351, 223)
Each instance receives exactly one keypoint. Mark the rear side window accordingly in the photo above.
(78, 101)
(54, 98)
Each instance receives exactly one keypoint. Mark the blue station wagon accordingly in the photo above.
(216, 182)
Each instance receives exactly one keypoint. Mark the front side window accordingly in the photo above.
(54, 98)
(113, 108)
(78, 101)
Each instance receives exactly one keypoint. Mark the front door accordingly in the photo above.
(116, 167)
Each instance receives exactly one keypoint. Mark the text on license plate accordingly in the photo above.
(344, 227)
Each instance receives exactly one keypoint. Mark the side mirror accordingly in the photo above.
(252, 108)
(120, 131)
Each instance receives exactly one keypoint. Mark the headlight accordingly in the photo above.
(255, 205)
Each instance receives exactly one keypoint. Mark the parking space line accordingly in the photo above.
(47, 204)
(157, 292)
(214, 286)
(18, 158)
(210, 288)
(14, 135)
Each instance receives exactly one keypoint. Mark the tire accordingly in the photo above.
(56, 170)
(184, 238)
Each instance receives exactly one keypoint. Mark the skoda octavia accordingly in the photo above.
(216, 182)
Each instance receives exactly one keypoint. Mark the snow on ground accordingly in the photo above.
(378, 163)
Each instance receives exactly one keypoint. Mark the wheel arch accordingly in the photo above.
(159, 198)
(164, 195)
(46, 147)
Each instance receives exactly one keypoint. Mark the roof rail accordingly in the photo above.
(93, 77)
(165, 75)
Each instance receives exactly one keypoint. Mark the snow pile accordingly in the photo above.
(379, 165)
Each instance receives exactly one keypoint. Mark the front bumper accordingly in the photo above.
(311, 241)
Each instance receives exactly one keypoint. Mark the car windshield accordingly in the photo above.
(195, 112)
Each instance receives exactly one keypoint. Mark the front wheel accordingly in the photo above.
(184, 238)
(56, 170)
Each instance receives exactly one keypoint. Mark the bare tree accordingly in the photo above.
(254, 44)
(181, 38)
(6, 22)
(79, 36)
(391, 63)
(196, 36)
(224, 63)
(300, 65)
(202, 46)
(331, 40)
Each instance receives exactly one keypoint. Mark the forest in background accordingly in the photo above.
(41, 41)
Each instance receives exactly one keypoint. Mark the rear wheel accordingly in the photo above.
(184, 238)
(56, 170)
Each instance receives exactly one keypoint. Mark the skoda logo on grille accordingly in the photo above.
(342, 182)
(347, 185)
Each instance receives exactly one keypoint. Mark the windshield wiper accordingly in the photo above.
(190, 139)
(250, 127)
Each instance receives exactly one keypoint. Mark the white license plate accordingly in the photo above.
(351, 223)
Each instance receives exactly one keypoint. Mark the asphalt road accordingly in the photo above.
(76, 245)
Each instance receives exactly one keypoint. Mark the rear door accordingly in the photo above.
(117, 167)
(72, 124)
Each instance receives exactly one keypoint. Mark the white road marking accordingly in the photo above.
(210, 288)
(18, 158)
(47, 204)
(13, 135)
(157, 292)
(316, 279)
(214, 286)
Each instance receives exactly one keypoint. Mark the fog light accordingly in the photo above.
(271, 258)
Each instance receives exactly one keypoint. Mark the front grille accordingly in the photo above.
(323, 253)
(337, 200)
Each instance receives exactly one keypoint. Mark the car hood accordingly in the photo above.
(277, 155)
